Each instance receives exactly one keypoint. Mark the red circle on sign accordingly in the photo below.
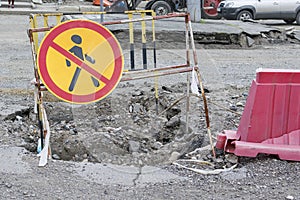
(48, 42)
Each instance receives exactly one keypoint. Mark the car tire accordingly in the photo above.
(298, 18)
(244, 15)
(161, 8)
(212, 13)
(204, 15)
(289, 21)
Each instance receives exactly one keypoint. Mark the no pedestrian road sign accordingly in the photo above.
(80, 61)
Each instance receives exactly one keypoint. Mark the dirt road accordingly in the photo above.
(227, 74)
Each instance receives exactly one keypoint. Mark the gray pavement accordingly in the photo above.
(107, 174)
(209, 31)
(26, 8)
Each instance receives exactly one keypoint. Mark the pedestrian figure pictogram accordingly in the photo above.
(80, 61)
(77, 51)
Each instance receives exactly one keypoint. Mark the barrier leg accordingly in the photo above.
(271, 119)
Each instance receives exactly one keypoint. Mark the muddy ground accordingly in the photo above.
(124, 128)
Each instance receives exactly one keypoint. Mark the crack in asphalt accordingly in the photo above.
(137, 176)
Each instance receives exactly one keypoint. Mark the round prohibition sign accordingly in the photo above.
(80, 61)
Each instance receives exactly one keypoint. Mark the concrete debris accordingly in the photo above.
(297, 35)
(289, 197)
(157, 145)
(233, 107)
(133, 146)
(233, 159)
(174, 156)
(250, 41)
(173, 122)
(239, 104)
(289, 30)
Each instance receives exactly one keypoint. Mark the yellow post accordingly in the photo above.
(154, 61)
(33, 24)
(131, 40)
(58, 20)
(45, 21)
(144, 41)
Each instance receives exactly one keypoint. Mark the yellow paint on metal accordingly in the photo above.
(58, 19)
(35, 35)
(131, 37)
(153, 26)
(93, 45)
(45, 21)
(143, 28)
(153, 40)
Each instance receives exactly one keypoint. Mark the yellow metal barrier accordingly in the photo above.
(37, 19)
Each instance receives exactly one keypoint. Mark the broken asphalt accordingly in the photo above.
(206, 32)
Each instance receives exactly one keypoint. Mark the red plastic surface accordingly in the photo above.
(271, 119)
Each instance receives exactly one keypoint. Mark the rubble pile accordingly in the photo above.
(120, 129)
(125, 129)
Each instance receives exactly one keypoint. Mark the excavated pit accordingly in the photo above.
(121, 129)
(220, 40)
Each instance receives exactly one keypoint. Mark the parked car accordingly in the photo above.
(164, 7)
(287, 10)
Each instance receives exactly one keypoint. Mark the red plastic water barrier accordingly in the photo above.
(105, 3)
(271, 119)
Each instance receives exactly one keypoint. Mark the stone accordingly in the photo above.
(133, 146)
(55, 157)
(8, 185)
(192, 144)
(19, 118)
(239, 104)
(172, 112)
(233, 107)
(235, 97)
(173, 122)
(168, 89)
(174, 156)
(289, 197)
(231, 158)
(217, 160)
(157, 145)
(137, 93)
(73, 131)
(245, 94)
(250, 41)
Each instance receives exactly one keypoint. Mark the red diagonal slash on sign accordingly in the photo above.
(79, 62)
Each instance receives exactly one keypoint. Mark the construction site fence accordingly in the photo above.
(41, 24)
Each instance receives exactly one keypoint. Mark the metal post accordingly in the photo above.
(101, 10)
(187, 46)
(144, 41)
(131, 41)
(202, 89)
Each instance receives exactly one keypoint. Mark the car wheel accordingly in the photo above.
(298, 18)
(204, 15)
(289, 21)
(244, 15)
(161, 8)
